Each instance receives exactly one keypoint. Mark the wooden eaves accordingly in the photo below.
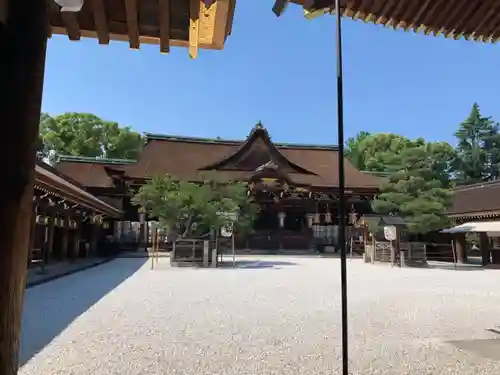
(50, 180)
(471, 19)
(194, 24)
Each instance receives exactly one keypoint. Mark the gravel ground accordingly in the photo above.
(272, 315)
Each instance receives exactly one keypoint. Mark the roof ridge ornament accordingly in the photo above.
(271, 164)
(70, 5)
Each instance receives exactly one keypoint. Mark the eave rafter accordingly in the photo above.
(72, 25)
(164, 17)
(193, 24)
(132, 23)
(101, 21)
(194, 27)
(470, 19)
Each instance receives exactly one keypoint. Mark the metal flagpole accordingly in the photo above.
(342, 203)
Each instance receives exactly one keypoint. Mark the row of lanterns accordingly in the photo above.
(316, 218)
(59, 222)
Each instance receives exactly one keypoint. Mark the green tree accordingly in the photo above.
(478, 149)
(418, 188)
(353, 150)
(193, 207)
(83, 134)
(375, 152)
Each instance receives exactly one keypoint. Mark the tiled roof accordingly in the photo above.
(186, 157)
(478, 198)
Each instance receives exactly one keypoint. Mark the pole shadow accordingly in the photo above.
(494, 330)
(51, 307)
(436, 265)
(254, 264)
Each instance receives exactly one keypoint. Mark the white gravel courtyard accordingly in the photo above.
(273, 315)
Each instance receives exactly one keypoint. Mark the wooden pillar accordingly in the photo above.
(32, 234)
(65, 239)
(50, 238)
(23, 39)
(484, 244)
(75, 246)
(94, 236)
(460, 247)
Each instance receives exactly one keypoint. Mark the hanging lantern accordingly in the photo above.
(70, 5)
(105, 225)
(353, 217)
(328, 217)
(46, 220)
(310, 218)
(317, 218)
(281, 217)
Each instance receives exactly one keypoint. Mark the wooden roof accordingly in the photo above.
(472, 19)
(477, 200)
(188, 158)
(187, 23)
(56, 183)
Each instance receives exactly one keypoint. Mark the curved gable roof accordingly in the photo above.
(258, 133)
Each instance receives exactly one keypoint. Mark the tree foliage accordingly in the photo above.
(83, 134)
(478, 149)
(354, 152)
(419, 172)
(416, 189)
(192, 209)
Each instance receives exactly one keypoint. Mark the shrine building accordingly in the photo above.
(295, 185)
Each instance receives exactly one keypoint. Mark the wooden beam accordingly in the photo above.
(132, 23)
(72, 26)
(164, 19)
(101, 21)
(51, 4)
(220, 22)
(4, 9)
(22, 61)
(194, 27)
(230, 18)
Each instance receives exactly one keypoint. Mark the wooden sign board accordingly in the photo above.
(390, 233)
(226, 231)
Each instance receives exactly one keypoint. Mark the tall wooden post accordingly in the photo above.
(51, 227)
(460, 247)
(484, 244)
(23, 38)
(65, 238)
(32, 235)
(94, 237)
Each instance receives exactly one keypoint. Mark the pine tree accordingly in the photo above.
(417, 189)
(478, 153)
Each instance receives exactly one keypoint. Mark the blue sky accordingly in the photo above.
(280, 71)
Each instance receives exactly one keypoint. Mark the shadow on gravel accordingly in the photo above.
(255, 264)
(485, 348)
(434, 265)
(50, 308)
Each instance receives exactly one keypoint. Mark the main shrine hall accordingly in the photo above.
(295, 185)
